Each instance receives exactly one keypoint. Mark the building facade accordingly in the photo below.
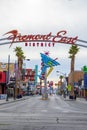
(4, 75)
(75, 76)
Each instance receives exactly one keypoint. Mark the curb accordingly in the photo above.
(16, 100)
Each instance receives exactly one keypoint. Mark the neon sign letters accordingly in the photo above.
(39, 39)
(47, 62)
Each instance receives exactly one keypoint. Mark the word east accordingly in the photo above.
(34, 44)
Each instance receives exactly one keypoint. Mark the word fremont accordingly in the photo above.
(39, 39)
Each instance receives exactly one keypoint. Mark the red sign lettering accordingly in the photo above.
(60, 37)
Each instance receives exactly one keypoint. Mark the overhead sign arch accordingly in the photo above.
(43, 40)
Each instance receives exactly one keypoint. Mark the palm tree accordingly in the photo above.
(73, 51)
(20, 55)
(61, 77)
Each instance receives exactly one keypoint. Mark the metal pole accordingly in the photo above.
(8, 76)
(28, 86)
(14, 92)
(40, 86)
(15, 82)
(45, 86)
(15, 86)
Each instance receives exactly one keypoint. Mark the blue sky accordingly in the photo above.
(42, 17)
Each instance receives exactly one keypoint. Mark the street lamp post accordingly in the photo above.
(15, 86)
(45, 94)
(45, 86)
(14, 91)
(7, 82)
(28, 86)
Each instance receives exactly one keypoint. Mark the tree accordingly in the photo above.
(61, 77)
(20, 55)
(73, 51)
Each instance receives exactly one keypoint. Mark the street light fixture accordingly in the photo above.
(27, 59)
(8, 76)
(16, 76)
(61, 73)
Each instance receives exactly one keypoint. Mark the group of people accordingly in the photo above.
(71, 92)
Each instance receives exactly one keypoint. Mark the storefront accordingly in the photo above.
(2, 82)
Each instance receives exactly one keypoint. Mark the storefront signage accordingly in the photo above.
(47, 62)
(3, 65)
(39, 39)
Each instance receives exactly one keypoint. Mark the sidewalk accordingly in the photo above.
(79, 99)
(10, 100)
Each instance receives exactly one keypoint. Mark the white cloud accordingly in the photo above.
(44, 16)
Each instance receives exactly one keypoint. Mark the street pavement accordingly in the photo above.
(37, 114)
(79, 99)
